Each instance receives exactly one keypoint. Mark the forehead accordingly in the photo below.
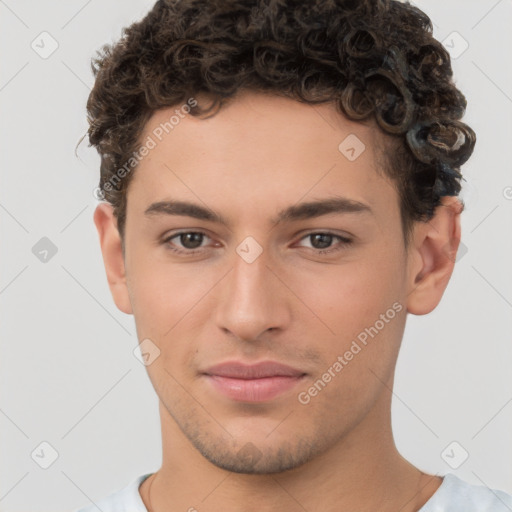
(260, 123)
(260, 148)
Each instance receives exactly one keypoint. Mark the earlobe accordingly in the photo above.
(113, 259)
(432, 256)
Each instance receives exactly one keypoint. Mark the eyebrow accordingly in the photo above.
(301, 211)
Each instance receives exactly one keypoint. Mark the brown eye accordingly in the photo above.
(191, 240)
(186, 242)
(321, 240)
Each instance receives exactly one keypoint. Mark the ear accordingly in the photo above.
(432, 256)
(111, 248)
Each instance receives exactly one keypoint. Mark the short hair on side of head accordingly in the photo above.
(375, 60)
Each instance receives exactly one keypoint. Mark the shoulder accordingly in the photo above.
(457, 495)
(123, 500)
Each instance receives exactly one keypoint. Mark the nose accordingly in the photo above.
(252, 300)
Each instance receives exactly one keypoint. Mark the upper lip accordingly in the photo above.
(239, 370)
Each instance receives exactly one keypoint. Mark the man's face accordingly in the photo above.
(307, 301)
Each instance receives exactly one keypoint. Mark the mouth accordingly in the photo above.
(259, 382)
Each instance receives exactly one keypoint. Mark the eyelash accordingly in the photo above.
(344, 242)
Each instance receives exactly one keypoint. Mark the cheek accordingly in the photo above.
(162, 292)
(350, 296)
(362, 317)
(163, 306)
(362, 309)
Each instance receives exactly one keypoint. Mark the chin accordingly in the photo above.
(254, 458)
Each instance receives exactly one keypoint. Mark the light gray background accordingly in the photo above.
(68, 374)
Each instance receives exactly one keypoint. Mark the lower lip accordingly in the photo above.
(253, 390)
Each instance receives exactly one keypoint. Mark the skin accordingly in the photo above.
(256, 156)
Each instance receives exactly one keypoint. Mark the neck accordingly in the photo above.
(363, 471)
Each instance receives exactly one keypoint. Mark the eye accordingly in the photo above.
(191, 242)
(321, 242)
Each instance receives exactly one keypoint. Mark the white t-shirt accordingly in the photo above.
(453, 495)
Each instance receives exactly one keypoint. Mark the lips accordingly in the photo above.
(261, 370)
(252, 383)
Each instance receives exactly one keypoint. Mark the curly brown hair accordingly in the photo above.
(373, 59)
